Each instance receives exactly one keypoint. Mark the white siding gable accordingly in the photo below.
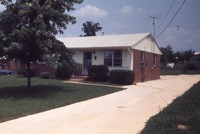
(147, 45)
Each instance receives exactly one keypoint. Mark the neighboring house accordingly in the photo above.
(37, 68)
(137, 52)
(11, 65)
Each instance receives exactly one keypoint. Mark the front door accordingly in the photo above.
(87, 62)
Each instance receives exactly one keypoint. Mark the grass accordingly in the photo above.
(170, 71)
(174, 71)
(180, 117)
(17, 101)
(179, 68)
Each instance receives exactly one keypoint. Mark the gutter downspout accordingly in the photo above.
(132, 59)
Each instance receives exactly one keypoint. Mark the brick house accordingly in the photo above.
(37, 68)
(137, 52)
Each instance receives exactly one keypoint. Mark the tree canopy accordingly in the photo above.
(184, 56)
(168, 54)
(179, 56)
(28, 28)
(90, 28)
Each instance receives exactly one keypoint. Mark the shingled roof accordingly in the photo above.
(106, 41)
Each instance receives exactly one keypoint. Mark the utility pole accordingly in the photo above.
(154, 25)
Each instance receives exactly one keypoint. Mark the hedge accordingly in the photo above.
(124, 77)
(98, 73)
(64, 71)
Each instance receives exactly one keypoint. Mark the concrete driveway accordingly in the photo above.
(124, 112)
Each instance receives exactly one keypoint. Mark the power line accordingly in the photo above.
(166, 15)
(172, 18)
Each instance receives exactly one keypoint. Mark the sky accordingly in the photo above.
(133, 16)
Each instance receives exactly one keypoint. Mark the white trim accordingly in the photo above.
(130, 51)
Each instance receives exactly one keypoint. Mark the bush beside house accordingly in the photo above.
(45, 75)
(23, 72)
(98, 73)
(64, 71)
(125, 77)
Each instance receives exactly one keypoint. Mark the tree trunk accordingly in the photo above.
(29, 75)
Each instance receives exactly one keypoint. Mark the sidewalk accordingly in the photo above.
(124, 112)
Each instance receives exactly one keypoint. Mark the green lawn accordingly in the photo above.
(170, 71)
(180, 117)
(17, 101)
(174, 71)
(179, 68)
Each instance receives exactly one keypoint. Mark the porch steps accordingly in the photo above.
(78, 78)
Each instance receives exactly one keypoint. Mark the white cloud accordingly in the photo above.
(91, 11)
(175, 33)
(182, 38)
(126, 9)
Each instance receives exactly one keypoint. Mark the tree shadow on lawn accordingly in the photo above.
(18, 101)
(36, 91)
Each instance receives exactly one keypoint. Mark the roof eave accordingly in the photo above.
(100, 48)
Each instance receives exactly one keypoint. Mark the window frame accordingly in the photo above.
(114, 56)
(106, 58)
(142, 56)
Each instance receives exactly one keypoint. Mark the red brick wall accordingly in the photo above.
(11, 65)
(37, 68)
(150, 71)
(136, 66)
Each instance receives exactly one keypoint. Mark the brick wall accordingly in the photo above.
(150, 71)
(11, 65)
(37, 68)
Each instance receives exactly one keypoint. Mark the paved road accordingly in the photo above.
(124, 112)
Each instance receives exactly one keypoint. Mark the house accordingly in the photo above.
(137, 52)
(37, 67)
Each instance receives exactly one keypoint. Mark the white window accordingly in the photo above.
(113, 58)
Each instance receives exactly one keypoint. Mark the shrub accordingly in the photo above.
(64, 71)
(191, 66)
(23, 71)
(98, 73)
(184, 69)
(2, 66)
(77, 68)
(45, 75)
(125, 77)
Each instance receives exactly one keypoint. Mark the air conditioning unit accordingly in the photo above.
(142, 64)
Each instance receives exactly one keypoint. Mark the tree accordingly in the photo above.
(59, 54)
(28, 28)
(167, 54)
(90, 28)
(184, 56)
